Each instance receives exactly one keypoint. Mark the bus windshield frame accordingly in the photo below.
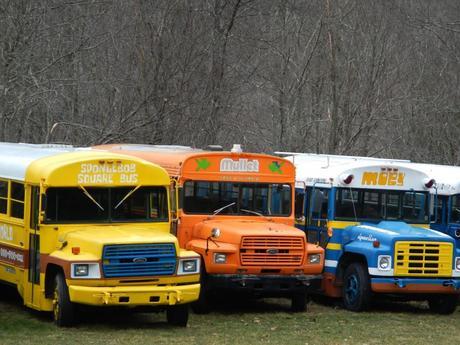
(88, 205)
(236, 198)
(374, 205)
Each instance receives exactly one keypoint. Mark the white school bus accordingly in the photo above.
(90, 227)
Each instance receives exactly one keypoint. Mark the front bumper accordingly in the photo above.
(265, 285)
(145, 295)
(415, 285)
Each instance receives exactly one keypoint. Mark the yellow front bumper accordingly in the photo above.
(144, 295)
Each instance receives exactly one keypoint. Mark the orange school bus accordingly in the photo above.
(90, 227)
(236, 210)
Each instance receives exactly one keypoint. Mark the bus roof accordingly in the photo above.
(321, 156)
(186, 162)
(63, 165)
(447, 177)
(328, 170)
(15, 158)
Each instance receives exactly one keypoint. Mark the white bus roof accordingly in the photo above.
(329, 170)
(326, 157)
(15, 158)
(447, 177)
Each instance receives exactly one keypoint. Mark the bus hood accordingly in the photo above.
(389, 231)
(231, 231)
(92, 239)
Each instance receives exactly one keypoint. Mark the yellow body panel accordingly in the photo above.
(423, 258)
(334, 246)
(340, 224)
(135, 295)
(94, 168)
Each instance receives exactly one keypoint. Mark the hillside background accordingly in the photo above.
(361, 77)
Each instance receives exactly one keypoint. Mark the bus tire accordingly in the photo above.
(443, 304)
(63, 308)
(356, 291)
(299, 302)
(177, 315)
(202, 305)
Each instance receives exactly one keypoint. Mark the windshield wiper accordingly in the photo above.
(256, 213)
(90, 197)
(127, 196)
(222, 208)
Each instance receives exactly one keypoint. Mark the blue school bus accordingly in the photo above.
(372, 217)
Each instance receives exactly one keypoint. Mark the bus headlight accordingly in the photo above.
(85, 270)
(220, 258)
(457, 263)
(189, 266)
(384, 262)
(314, 258)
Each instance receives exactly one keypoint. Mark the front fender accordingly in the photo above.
(367, 250)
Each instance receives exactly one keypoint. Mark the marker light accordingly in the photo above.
(376, 243)
(347, 178)
(75, 250)
(429, 182)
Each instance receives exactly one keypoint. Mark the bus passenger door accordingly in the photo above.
(33, 278)
(316, 222)
(438, 212)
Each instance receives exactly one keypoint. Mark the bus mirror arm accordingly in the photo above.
(214, 234)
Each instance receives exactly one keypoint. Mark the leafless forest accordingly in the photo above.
(364, 77)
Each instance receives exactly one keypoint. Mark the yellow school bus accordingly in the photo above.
(90, 227)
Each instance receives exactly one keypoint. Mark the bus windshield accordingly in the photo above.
(377, 205)
(235, 198)
(96, 205)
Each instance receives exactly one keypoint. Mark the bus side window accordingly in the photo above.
(437, 206)
(3, 196)
(17, 200)
(318, 203)
(454, 209)
(299, 203)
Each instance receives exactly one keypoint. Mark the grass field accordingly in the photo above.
(254, 322)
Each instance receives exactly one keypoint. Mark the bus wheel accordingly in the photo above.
(356, 288)
(299, 302)
(202, 305)
(443, 304)
(177, 315)
(63, 308)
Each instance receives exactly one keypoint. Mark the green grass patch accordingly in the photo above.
(235, 322)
